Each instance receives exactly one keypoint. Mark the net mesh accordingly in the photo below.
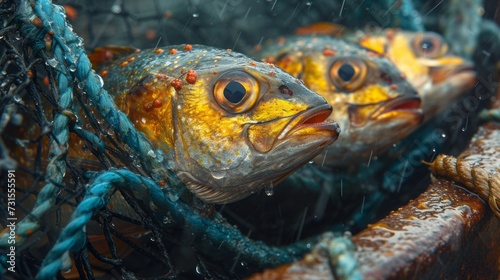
(127, 241)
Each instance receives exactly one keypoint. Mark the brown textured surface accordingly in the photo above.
(446, 233)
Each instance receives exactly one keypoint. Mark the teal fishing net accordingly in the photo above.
(46, 82)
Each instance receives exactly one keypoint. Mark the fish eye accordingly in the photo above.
(236, 91)
(348, 73)
(429, 45)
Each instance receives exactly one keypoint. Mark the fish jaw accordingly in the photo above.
(379, 126)
(451, 78)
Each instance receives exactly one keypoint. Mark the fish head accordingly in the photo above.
(240, 126)
(424, 57)
(372, 101)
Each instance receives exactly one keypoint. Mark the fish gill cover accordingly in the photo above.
(116, 208)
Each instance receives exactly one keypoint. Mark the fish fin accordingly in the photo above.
(211, 195)
(323, 28)
(102, 56)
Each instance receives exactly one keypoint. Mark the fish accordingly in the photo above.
(440, 76)
(229, 125)
(372, 101)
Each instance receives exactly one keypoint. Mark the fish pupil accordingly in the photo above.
(346, 72)
(426, 45)
(234, 92)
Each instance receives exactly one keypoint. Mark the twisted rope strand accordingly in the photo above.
(475, 178)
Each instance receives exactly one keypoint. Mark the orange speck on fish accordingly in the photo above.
(131, 59)
(173, 51)
(162, 76)
(176, 84)
(191, 76)
(104, 73)
(272, 73)
(188, 47)
(328, 51)
(157, 103)
(394, 87)
(253, 64)
(125, 63)
(37, 21)
(158, 51)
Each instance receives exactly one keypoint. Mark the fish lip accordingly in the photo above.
(439, 74)
(408, 104)
(311, 117)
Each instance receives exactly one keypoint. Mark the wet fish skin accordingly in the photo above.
(373, 102)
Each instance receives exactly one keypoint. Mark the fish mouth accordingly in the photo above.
(403, 104)
(443, 74)
(308, 124)
(313, 118)
(409, 105)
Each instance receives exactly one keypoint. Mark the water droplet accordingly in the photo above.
(443, 135)
(311, 161)
(72, 68)
(269, 190)
(243, 263)
(52, 62)
(67, 271)
(218, 175)
(17, 98)
(80, 85)
(151, 154)
(433, 150)
(394, 145)
(166, 220)
(152, 238)
(101, 82)
(173, 197)
(143, 120)
(112, 224)
(464, 129)
(195, 15)
(199, 269)
(116, 9)
(308, 3)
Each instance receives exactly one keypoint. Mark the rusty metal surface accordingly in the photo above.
(445, 233)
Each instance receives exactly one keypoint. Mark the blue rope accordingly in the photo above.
(56, 167)
(342, 258)
(209, 234)
(67, 49)
(489, 115)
